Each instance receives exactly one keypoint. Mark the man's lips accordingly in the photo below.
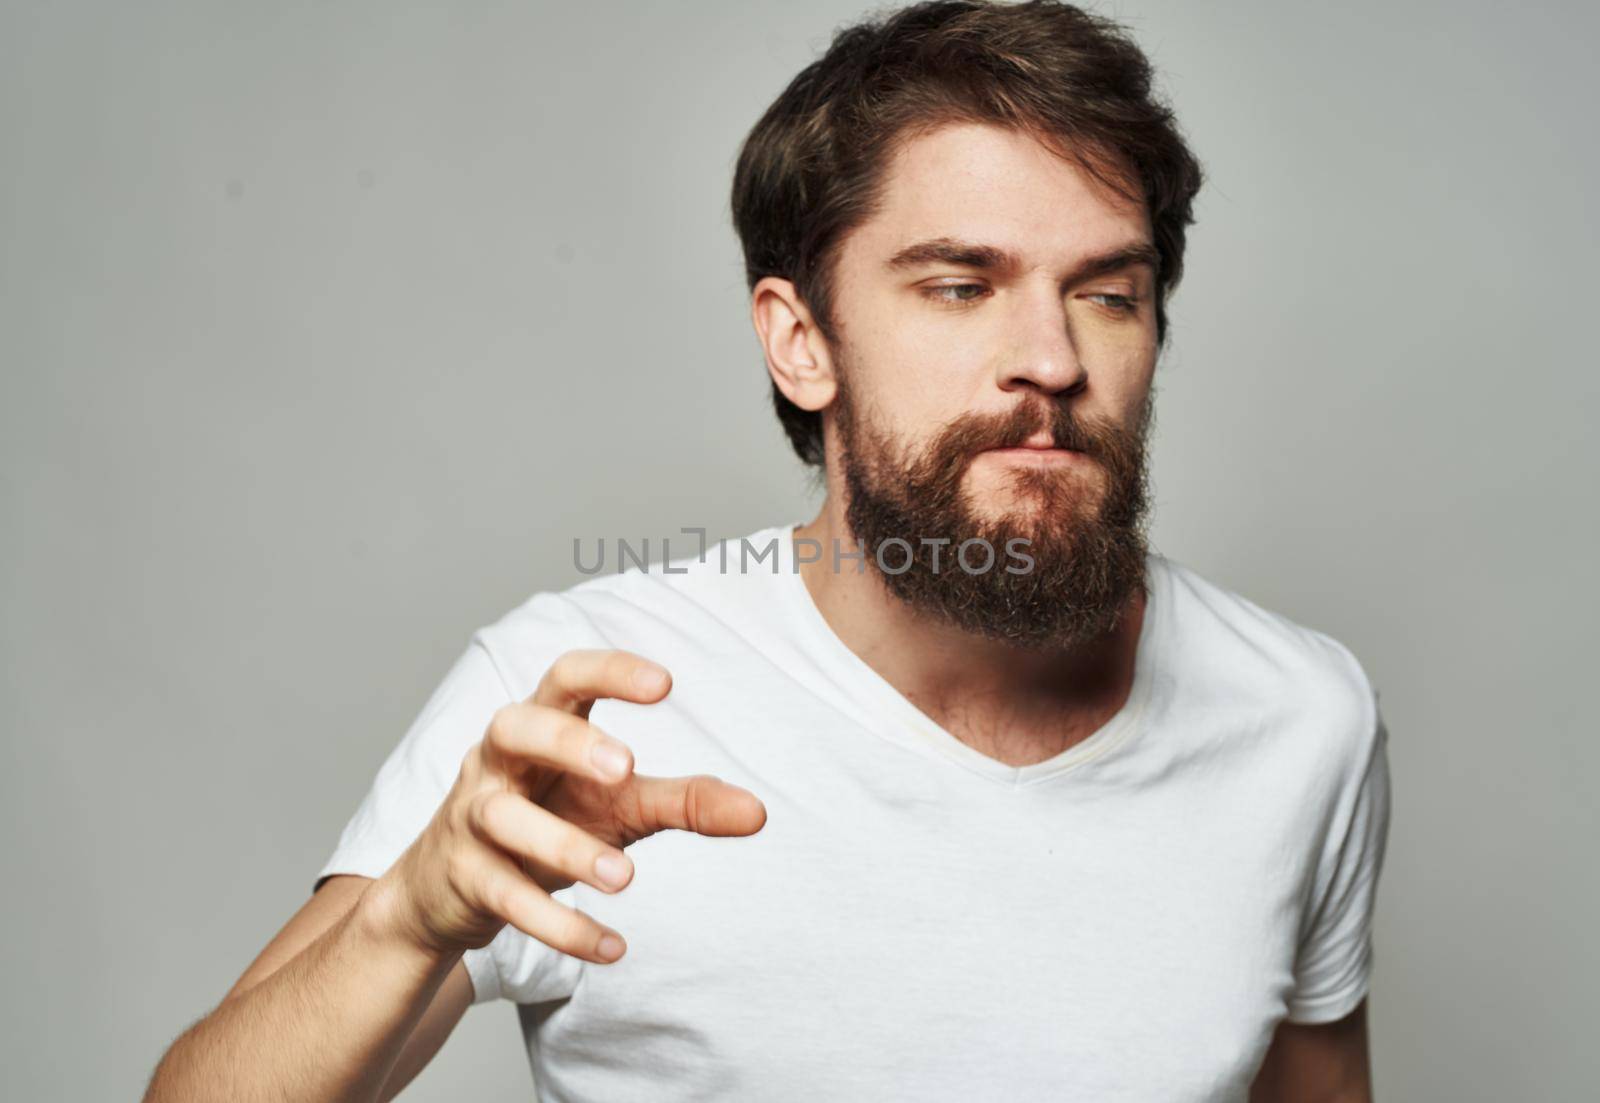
(1039, 448)
(1029, 454)
(1039, 442)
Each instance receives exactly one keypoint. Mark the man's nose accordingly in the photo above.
(1042, 355)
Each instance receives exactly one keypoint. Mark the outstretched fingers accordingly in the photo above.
(520, 827)
(517, 900)
(536, 735)
(577, 679)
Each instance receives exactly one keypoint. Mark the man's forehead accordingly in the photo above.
(980, 183)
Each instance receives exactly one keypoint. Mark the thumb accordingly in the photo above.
(703, 804)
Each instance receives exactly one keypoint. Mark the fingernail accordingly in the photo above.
(612, 869)
(609, 758)
(648, 679)
(610, 947)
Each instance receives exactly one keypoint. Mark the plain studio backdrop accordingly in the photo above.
(326, 328)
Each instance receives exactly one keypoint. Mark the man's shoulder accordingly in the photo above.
(625, 582)
(1237, 643)
(679, 601)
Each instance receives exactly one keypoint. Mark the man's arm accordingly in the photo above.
(361, 988)
(353, 1008)
(336, 895)
(1317, 1063)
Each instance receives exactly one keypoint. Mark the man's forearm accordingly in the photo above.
(327, 1027)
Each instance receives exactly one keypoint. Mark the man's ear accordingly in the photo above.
(797, 352)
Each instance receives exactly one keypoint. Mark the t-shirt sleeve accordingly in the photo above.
(409, 788)
(1334, 965)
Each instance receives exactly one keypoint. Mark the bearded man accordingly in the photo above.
(973, 794)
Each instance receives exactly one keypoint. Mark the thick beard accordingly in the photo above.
(1087, 564)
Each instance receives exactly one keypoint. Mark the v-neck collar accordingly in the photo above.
(902, 722)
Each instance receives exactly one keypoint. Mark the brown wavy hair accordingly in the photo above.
(812, 167)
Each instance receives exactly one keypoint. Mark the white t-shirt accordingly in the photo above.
(1128, 920)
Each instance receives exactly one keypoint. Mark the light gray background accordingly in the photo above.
(326, 327)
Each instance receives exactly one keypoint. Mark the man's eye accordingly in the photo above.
(955, 293)
(1117, 304)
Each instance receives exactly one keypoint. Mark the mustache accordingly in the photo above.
(972, 433)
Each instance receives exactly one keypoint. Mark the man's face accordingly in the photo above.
(997, 343)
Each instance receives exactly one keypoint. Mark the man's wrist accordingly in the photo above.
(382, 917)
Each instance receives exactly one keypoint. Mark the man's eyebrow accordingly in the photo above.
(968, 254)
(949, 250)
(1116, 260)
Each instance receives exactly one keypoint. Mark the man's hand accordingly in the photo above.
(544, 800)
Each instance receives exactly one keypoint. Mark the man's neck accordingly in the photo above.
(1018, 705)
